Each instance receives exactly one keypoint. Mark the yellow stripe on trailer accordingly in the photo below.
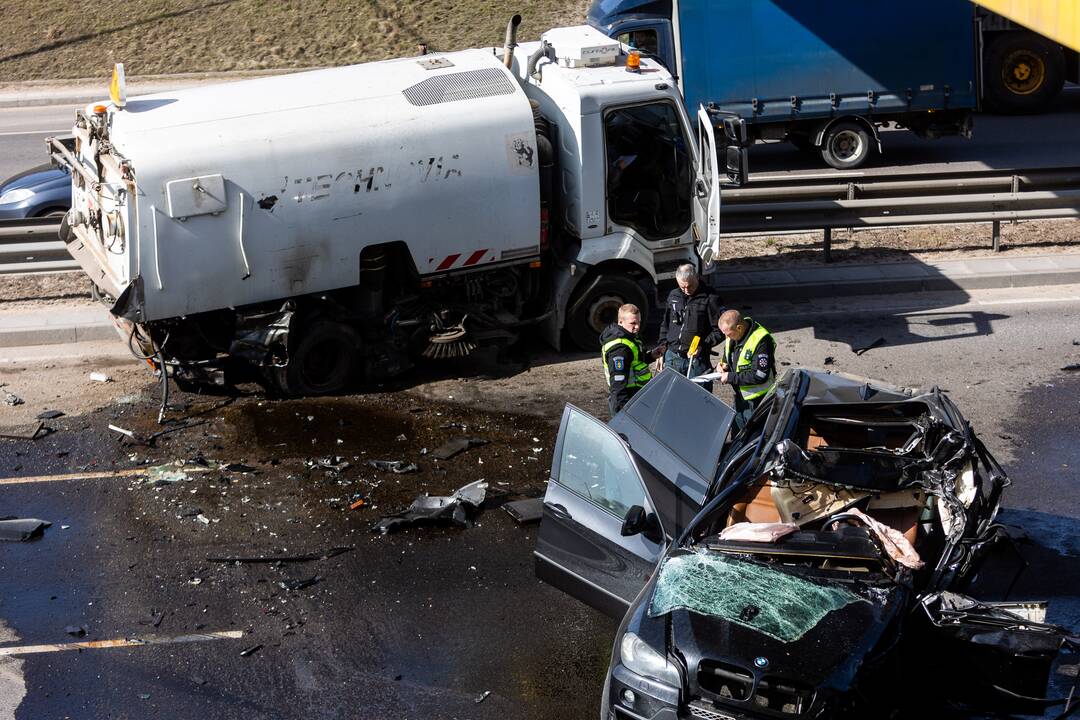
(1058, 20)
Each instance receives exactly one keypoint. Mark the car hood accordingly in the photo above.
(44, 177)
(791, 626)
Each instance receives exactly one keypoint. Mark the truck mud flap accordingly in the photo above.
(129, 305)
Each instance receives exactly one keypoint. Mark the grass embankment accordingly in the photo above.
(61, 39)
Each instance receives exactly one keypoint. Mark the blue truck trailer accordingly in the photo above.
(825, 75)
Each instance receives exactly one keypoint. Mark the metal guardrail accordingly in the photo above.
(776, 204)
(33, 246)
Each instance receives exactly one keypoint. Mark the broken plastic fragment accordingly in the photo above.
(457, 508)
(22, 529)
(100, 377)
(165, 475)
(398, 467)
(785, 607)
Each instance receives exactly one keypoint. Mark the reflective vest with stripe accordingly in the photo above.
(637, 374)
(746, 356)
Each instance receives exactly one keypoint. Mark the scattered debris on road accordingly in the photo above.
(308, 557)
(11, 399)
(299, 584)
(50, 414)
(22, 529)
(398, 467)
(457, 509)
(456, 446)
(1071, 367)
(33, 431)
(525, 511)
(251, 650)
(100, 377)
(829, 360)
(482, 697)
(76, 630)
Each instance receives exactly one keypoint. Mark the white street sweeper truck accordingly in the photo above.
(316, 228)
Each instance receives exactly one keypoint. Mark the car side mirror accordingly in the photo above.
(736, 165)
(639, 522)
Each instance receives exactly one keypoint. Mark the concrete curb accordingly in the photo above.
(53, 326)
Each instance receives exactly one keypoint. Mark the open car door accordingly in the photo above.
(580, 548)
(706, 191)
(619, 492)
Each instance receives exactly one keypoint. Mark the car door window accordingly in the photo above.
(596, 465)
(649, 170)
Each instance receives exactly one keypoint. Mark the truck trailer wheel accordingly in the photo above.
(846, 145)
(322, 361)
(599, 307)
(1023, 72)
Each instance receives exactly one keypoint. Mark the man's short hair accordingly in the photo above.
(629, 309)
(730, 318)
(685, 271)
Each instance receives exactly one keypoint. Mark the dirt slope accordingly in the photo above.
(59, 39)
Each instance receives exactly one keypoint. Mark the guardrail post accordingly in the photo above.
(995, 234)
(827, 245)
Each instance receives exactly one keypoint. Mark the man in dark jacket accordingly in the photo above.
(626, 364)
(693, 309)
(749, 361)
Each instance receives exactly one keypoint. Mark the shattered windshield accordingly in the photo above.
(782, 606)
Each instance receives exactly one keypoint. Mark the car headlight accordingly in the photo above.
(16, 195)
(638, 657)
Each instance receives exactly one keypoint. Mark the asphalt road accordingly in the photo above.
(425, 622)
(23, 132)
(1047, 140)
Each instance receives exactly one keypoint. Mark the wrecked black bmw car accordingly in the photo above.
(811, 565)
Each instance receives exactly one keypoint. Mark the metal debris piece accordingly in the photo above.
(33, 431)
(76, 630)
(50, 414)
(458, 445)
(1072, 366)
(525, 511)
(332, 552)
(12, 399)
(299, 584)
(22, 529)
(482, 697)
(873, 344)
(398, 467)
(457, 509)
(237, 467)
(251, 650)
(829, 360)
(334, 463)
(100, 377)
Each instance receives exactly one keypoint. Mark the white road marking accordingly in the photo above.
(122, 642)
(929, 307)
(130, 472)
(65, 131)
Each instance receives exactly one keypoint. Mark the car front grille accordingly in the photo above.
(699, 711)
(727, 682)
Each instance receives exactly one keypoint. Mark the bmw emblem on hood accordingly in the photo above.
(761, 662)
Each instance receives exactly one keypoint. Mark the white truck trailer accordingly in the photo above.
(345, 222)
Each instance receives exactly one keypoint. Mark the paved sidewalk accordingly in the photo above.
(56, 324)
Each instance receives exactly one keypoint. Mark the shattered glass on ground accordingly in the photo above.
(775, 603)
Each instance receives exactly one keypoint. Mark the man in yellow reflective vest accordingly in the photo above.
(626, 364)
(749, 361)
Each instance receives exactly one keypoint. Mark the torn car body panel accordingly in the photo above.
(887, 500)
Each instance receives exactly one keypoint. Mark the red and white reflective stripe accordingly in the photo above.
(450, 261)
